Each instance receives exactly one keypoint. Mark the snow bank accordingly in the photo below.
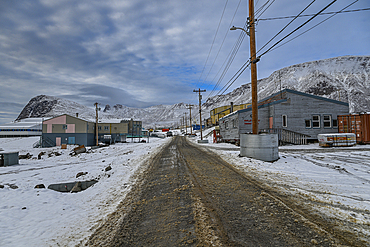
(336, 181)
(43, 217)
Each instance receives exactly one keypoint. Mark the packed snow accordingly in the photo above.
(334, 180)
(44, 217)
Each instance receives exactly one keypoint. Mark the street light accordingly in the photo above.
(234, 28)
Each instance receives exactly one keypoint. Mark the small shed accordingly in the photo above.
(9, 158)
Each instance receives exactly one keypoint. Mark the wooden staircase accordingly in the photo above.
(287, 136)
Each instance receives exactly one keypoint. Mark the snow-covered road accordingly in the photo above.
(334, 181)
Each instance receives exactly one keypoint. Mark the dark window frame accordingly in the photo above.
(284, 119)
(316, 121)
(327, 121)
(335, 126)
(308, 121)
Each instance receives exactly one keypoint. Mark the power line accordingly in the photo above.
(246, 65)
(286, 26)
(214, 61)
(326, 13)
(335, 13)
(230, 59)
(218, 27)
(327, 6)
(261, 8)
(264, 9)
(234, 78)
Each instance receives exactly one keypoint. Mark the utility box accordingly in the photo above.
(9, 159)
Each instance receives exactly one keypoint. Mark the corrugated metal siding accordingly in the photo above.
(358, 124)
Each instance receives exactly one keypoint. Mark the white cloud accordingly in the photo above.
(153, 50)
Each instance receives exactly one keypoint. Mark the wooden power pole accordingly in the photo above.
(191, 129)
(186, 124)
(96, 124)
(254, 61)
(200, 109)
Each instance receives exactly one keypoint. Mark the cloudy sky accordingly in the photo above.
(142, 53)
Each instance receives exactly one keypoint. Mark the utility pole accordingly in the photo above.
(191, 129)
(254, 61)
(96, 124)
(183, 123)
(186, 124)
(200, 110)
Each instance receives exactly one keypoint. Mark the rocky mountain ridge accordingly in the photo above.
(342, 78)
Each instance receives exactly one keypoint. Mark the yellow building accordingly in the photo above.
(222, 111)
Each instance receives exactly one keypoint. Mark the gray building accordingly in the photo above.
(289, 113)
(22, 128)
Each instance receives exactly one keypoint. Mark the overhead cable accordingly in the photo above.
(214, 61)
(335, 13)
(258, 15)
(327, 6)
(229, 60)
(286, 26)
(218, 27)
(326, 13)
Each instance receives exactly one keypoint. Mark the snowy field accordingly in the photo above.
(334, 180)
(43, 217)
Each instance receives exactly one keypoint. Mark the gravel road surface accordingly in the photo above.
(188, 196)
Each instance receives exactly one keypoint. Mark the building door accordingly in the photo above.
(58, 141)
(271, 122)
(71, 140)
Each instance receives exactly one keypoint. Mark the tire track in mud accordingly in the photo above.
(191, 197)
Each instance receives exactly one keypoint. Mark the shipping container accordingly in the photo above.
(358, 124)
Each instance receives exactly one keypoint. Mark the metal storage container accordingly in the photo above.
(9, 159)
(358, 124)
(262, 147)
(337, 140)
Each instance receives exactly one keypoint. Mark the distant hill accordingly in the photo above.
(342, 78)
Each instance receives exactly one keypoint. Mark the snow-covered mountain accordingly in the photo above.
(342, 78)
(50, 106)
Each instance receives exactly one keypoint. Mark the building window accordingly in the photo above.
(226, 125)
(316, 121)
(327, 121)
(335, 123)
(65, 126)
(234, 123)
(308, 123)
(285, 121)
(99, 127)
(106, 127)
